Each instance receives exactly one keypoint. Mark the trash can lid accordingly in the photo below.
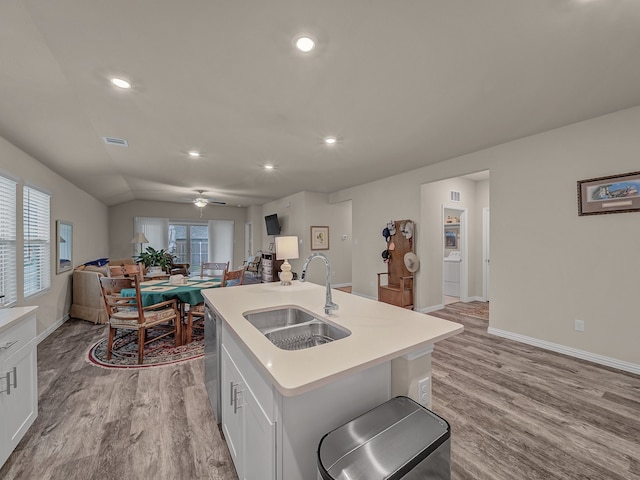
(384, 443)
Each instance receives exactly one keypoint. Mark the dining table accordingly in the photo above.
(189, 293)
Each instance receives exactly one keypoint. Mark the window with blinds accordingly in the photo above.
(37, 241)
(8, 284)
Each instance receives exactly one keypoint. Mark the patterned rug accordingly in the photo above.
(160, 353)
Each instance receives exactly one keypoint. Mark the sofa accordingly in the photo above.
(87, 302)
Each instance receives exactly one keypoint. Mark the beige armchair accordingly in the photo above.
(87, 302)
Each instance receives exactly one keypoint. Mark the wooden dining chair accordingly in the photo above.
(232, 277)
(213, 269)
(127, 313)
(127, 271)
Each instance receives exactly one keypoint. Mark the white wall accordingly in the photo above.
(121, 223)
(548, 265)
(90, 238)
(297, 213)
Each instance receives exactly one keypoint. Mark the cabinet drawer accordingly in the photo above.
(267, 270)
(267, 263)
(17, 336)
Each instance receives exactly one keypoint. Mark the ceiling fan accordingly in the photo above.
(202, 202)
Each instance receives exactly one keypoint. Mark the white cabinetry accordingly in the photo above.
(250, 433)
(271, 436)
(18, 376)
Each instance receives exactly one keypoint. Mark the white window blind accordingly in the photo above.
(8, 284)
(221, 241)
(155, 229)
(37, 241)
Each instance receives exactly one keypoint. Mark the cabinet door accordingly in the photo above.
(232, 410)
(259, 441)
(19, 400)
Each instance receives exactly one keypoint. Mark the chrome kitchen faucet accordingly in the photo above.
(329, 306)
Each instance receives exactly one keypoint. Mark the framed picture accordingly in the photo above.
(64, 243)
(614, 194)
(319, 238)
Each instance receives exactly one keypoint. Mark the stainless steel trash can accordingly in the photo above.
(398, 439)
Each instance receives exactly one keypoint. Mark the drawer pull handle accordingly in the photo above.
(8, 345)
(235, 401)
(15, 381)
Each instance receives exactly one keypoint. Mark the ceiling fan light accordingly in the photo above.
(200, 202)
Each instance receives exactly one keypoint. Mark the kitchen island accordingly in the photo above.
(277, 404)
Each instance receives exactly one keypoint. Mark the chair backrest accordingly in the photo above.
(178, 268)
(211, 269)
(253, 263)
(115, 302)
(232, 277)
(126, 271)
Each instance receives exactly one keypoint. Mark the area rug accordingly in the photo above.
(160, 353)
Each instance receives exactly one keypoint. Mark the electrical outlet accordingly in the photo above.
(424, 391)
(579, 325)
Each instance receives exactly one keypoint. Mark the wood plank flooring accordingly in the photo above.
(516, 413)
(520, 412)
(117, 424)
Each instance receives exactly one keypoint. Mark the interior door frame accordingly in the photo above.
(464, 251)
(486, 253)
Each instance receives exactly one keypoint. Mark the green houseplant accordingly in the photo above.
(156, 258)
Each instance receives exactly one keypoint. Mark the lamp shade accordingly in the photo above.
(287, 248)
(139, 238)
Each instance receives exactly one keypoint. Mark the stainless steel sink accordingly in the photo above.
(292, 328)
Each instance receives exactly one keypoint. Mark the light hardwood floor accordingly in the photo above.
(520, 412)
(93, 423)
(516, 413)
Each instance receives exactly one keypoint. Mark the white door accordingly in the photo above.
(486, 257)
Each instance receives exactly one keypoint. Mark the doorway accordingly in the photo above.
(486, 253)
(454, 255)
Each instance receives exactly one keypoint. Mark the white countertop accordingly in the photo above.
(379, 332)
(11, 316)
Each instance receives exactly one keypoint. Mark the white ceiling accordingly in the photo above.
(401, 84)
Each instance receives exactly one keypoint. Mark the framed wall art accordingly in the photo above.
(613, 194)
(319, 238)
(64, 246)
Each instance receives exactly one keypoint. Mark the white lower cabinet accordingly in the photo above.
(249, 432)
(271, 436)
(18, 380)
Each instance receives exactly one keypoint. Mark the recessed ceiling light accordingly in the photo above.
(330, 140)
(194, 154)
(305, 44)
(120, 83)
(268, 167)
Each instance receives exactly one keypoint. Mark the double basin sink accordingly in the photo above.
(293, 328)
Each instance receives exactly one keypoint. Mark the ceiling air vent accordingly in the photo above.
(454, 196)
(120, 142)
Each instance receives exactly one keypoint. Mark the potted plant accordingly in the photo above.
(155, 260)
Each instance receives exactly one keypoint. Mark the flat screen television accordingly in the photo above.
(273, 225)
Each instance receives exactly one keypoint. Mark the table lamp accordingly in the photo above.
(286, 249)
(139, 238)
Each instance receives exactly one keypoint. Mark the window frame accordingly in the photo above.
(8, 240)
(36, 220)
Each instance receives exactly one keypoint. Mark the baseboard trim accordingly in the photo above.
(51, 329)
(364, 296)
(476, 299)
(342, 285)
(431, 309)
(572, 352)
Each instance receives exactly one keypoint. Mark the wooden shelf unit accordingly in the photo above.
(399, 288)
